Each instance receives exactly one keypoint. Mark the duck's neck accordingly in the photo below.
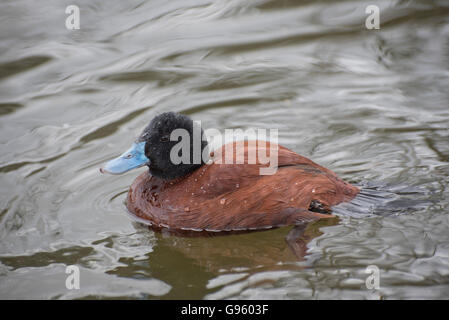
(176, 173)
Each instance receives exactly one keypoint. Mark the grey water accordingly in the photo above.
(371, 105)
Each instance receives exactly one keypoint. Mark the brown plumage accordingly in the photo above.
(235, 197)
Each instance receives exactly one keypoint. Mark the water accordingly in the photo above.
(372, 105)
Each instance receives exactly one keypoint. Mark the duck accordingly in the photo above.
(213, 195)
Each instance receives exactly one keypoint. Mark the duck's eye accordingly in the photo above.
(129, 156)
(165, 138)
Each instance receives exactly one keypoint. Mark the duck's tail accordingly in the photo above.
(384, 200)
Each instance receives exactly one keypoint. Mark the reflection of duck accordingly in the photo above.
(223, 197)
(202, 267)
(269, 249)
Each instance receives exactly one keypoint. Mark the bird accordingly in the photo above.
(183, 193)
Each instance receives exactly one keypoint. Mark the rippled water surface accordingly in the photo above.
(372, 105)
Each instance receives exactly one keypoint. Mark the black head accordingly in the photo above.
(164, 153)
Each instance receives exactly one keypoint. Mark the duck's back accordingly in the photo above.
(228, 197)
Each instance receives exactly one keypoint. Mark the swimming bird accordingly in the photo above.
(213, 195)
